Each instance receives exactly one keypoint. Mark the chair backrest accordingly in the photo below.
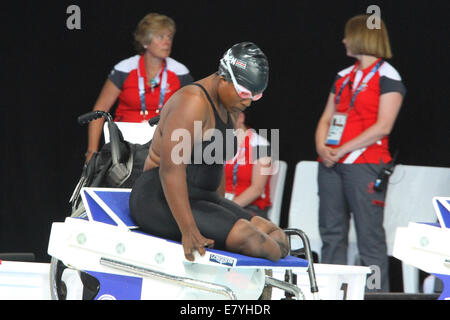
(276, 191)
(133, 132)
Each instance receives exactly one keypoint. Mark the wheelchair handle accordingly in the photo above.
(112, 127)
(154, 120)
(94, 115)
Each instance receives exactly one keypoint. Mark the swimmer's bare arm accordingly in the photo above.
(153, 160)
(183, 110)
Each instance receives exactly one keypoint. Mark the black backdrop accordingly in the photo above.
(50, 75)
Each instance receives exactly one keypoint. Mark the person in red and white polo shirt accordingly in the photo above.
(143, 83)
(352, 144)
(246, 180)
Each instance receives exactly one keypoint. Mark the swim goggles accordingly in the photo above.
(242, 92)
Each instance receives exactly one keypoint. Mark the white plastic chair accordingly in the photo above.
(276, 191)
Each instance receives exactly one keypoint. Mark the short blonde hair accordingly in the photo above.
(148, 26)
(362, 40)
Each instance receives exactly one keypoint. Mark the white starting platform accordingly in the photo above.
(426, 245)
(103, 255)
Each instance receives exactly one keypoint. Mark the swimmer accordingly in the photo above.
(179, 200)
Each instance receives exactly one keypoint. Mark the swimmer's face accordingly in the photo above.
(230, 99)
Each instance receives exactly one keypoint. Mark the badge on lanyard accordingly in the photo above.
(340, 119)
(229, 196)
(336, 128)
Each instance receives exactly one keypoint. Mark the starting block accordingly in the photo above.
(117, 261)
(425, 245)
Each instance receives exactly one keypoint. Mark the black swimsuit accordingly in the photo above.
(214, 215)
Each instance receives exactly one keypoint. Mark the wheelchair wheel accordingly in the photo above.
(58, 288)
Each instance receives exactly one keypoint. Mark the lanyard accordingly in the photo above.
(362, 85)
(141, 85)
(242, 150)
(235, 171)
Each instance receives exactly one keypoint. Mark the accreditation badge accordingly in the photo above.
(336, 129)
(229, 196)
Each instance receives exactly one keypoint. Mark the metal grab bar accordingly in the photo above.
(184, 281)
(309, 257)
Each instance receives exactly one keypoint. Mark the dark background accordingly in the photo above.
(50, 75)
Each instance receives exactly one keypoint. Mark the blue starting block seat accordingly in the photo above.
(111, 206)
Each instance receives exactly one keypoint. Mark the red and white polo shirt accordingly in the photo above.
(365, 111)
(125, 76)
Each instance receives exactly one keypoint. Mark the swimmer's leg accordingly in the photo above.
(274, 232)
(261, 224)
(246, 239)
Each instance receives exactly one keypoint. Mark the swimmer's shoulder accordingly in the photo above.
(189, 99)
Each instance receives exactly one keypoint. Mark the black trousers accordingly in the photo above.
(347, 189)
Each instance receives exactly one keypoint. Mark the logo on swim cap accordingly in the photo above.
(234, 61)
(240, 64)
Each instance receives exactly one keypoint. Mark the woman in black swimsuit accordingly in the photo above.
(177, 196)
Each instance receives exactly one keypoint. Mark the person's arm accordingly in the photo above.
(389, 108)
(323, 126)
(258, 185)
(172, 170)
(105, 101)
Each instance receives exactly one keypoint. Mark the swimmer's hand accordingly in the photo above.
(195, 241)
